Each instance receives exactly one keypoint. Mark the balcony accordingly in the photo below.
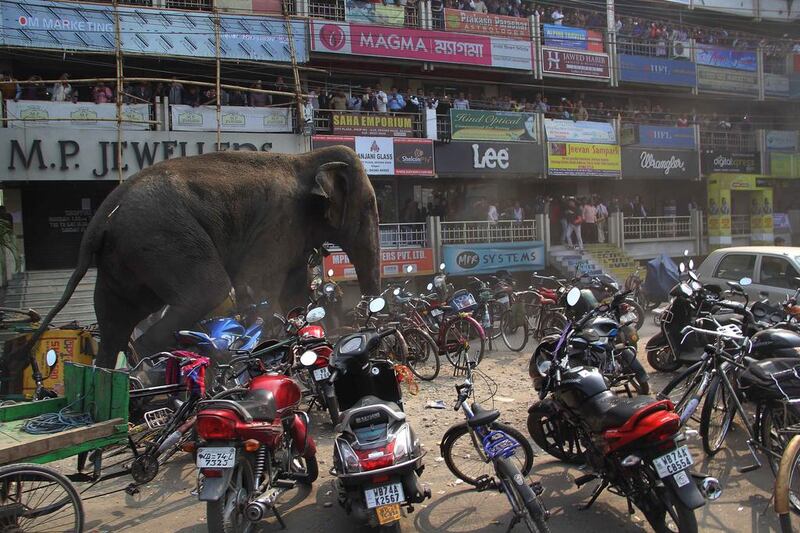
(467, 232)
(728, 140)
(638, 47)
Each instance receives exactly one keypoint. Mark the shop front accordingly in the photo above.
(739, 205)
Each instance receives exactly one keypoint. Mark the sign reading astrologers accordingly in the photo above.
(372, 125)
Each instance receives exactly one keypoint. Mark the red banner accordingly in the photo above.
(499, 25)
(386, 156)
(572, 63)
(393, 263)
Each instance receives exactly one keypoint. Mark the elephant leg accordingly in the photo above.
(295, 289)
(117, 316)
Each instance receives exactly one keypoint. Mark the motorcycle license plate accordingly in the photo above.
(436, 312)
(222, 457)
(388, 513)
(628, 317)
(322, 373)
(384, 495)
(675, 461)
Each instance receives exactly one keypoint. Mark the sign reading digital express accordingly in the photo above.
(731, 163)
(420, 45)
(393, 263)
(488, 258)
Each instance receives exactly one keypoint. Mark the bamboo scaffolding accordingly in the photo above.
(65, 119)
(218, 89)
(118, 100)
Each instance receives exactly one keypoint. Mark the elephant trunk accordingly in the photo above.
(365, 254)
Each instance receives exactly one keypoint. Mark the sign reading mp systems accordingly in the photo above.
(76, 26)
(659, 71)
(490, 257)
(386, 156)
(489, 159)
(649, 163)
(420, 45)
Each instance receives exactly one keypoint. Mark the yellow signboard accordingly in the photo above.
(584, 159)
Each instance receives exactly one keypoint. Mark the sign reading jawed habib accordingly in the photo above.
(575, 64)
(385, 125)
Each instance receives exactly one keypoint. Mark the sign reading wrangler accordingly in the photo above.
(650, 163)
(488, 258)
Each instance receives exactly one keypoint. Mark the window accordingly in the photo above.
(736, 266)
(777, 272)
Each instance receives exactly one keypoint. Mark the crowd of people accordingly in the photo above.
(550, 14)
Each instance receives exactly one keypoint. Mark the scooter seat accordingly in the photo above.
(366, 401)
(482, 417)
(607, 410)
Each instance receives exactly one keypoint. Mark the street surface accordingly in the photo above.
(168, 505)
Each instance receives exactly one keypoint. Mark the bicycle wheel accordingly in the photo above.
(553, 324)
(496, 311)
(716, 417)
(527, 506)
(787, 485)
(463, 453)
(683, 387)
(423, 354)
(515, 336)
(464, 343)
(37, 498)
(772, 420)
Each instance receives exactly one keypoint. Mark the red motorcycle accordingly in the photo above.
(254, 444)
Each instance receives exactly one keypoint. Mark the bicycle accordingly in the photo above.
(498, 445)
(540, 316)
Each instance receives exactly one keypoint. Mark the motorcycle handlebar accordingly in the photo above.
(689, 329)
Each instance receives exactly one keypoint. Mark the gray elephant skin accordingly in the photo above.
(185, 231)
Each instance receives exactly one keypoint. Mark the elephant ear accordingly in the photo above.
(330, 184)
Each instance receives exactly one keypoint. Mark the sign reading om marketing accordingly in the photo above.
(76, 26)
(475, 125)
(488, 258)
(579, 131)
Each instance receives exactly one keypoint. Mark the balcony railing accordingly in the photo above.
(637, 47)
(740, 225)
(335, 10)
(657, 228)
(323, 121)
(743, 141)
(484, 231)
(414, 234)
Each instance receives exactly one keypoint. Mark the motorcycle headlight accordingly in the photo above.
(328, 288)
(347, 456)
(402, 444)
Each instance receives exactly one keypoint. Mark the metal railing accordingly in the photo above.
(657, 228)
(637, 47)
(335, 10)
(484, 231)
(414, 234)
(744, 141)
(740, 225)
(323, 121)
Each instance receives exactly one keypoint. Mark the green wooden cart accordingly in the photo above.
(35, 497)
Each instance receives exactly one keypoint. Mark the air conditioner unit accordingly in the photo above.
(681, 50)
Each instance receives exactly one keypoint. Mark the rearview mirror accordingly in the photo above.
(686, 253)
(396, 292)
(51, 358)
(308, 358)
(696, 285)
(377, 305)
(682, 267)
(315, 315)
(330, 272)
(686, 290)
(429, 286)
(691, 264)
(573, 296)
(442, 266)
(744, 282)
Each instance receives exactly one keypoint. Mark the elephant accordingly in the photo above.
(184, 232)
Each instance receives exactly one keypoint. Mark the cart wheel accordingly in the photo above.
(37, 498)
(144, 468)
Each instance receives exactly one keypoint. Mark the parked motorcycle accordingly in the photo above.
(631, 445)
(254, 445)
(604, 287)
(377, 458)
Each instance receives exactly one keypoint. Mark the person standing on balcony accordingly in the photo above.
(602, 217)
(517, 212)
(354, 103)
(369, 101)
(175, 93)
(479, 6)
(461, 102)
(396, 101)
(339, 101)
(589, 214)
(259, 99)
(62, 90)
(381, 100)
(557, 16)
(101, 94)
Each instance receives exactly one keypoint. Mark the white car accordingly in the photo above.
(774, 270)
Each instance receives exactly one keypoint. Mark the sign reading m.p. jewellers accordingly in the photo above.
(489, 159)
(57, 154)
(731, 162)
(638, 163)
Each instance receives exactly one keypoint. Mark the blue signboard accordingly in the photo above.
(488, 258)
(73, 26)
(565, 37)
(656, 70)
(717, 56)
(666, 137)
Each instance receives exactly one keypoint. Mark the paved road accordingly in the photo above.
(167, 504)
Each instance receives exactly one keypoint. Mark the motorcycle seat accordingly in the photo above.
(259, 405)
(607, 410)
(482, 417)
(366, 401)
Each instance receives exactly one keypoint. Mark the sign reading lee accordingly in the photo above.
(474, 125)
(731, 162)
(580, 159)
(651, 163)
(393, 263)
(463, 259)
(488, 159)
(386, 156)
(372, 124)
(575, 64)
(487, 24)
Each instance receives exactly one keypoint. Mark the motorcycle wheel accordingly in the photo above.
(423, 354)
(553, 324)
(554, 436)
(639, 310)
(667, 514)
(304, 470)
(515, 336)
(716, 417)
(226, 515)
(460, 446)
(331, 403)
(662, 359)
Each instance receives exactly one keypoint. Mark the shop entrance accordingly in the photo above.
(739, 204)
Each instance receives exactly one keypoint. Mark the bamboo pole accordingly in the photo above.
(292, 53)
(217, 25)
(118, 56)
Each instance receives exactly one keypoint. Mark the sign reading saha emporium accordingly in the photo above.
(378, 125)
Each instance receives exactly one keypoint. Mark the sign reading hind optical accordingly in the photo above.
(489, 159)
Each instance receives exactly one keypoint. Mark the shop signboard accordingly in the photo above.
(575, 64)
(731, 162)
(665, 137)
(776, 85)
(488, 258)
(59, 154)
(372, 13)
(420, 45)
(657, 70)
(583, 160)
(479, 125)
(232, 118)
(729, 58)
(572, 38)
(579, 131)
(722, 80)
(394, 262)
(41, 113)
(162, 32)
(487, 24)
(386, 156)
(784, 165)
(652, 163)
(488, 159)
(372, 124)
(782, 140)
